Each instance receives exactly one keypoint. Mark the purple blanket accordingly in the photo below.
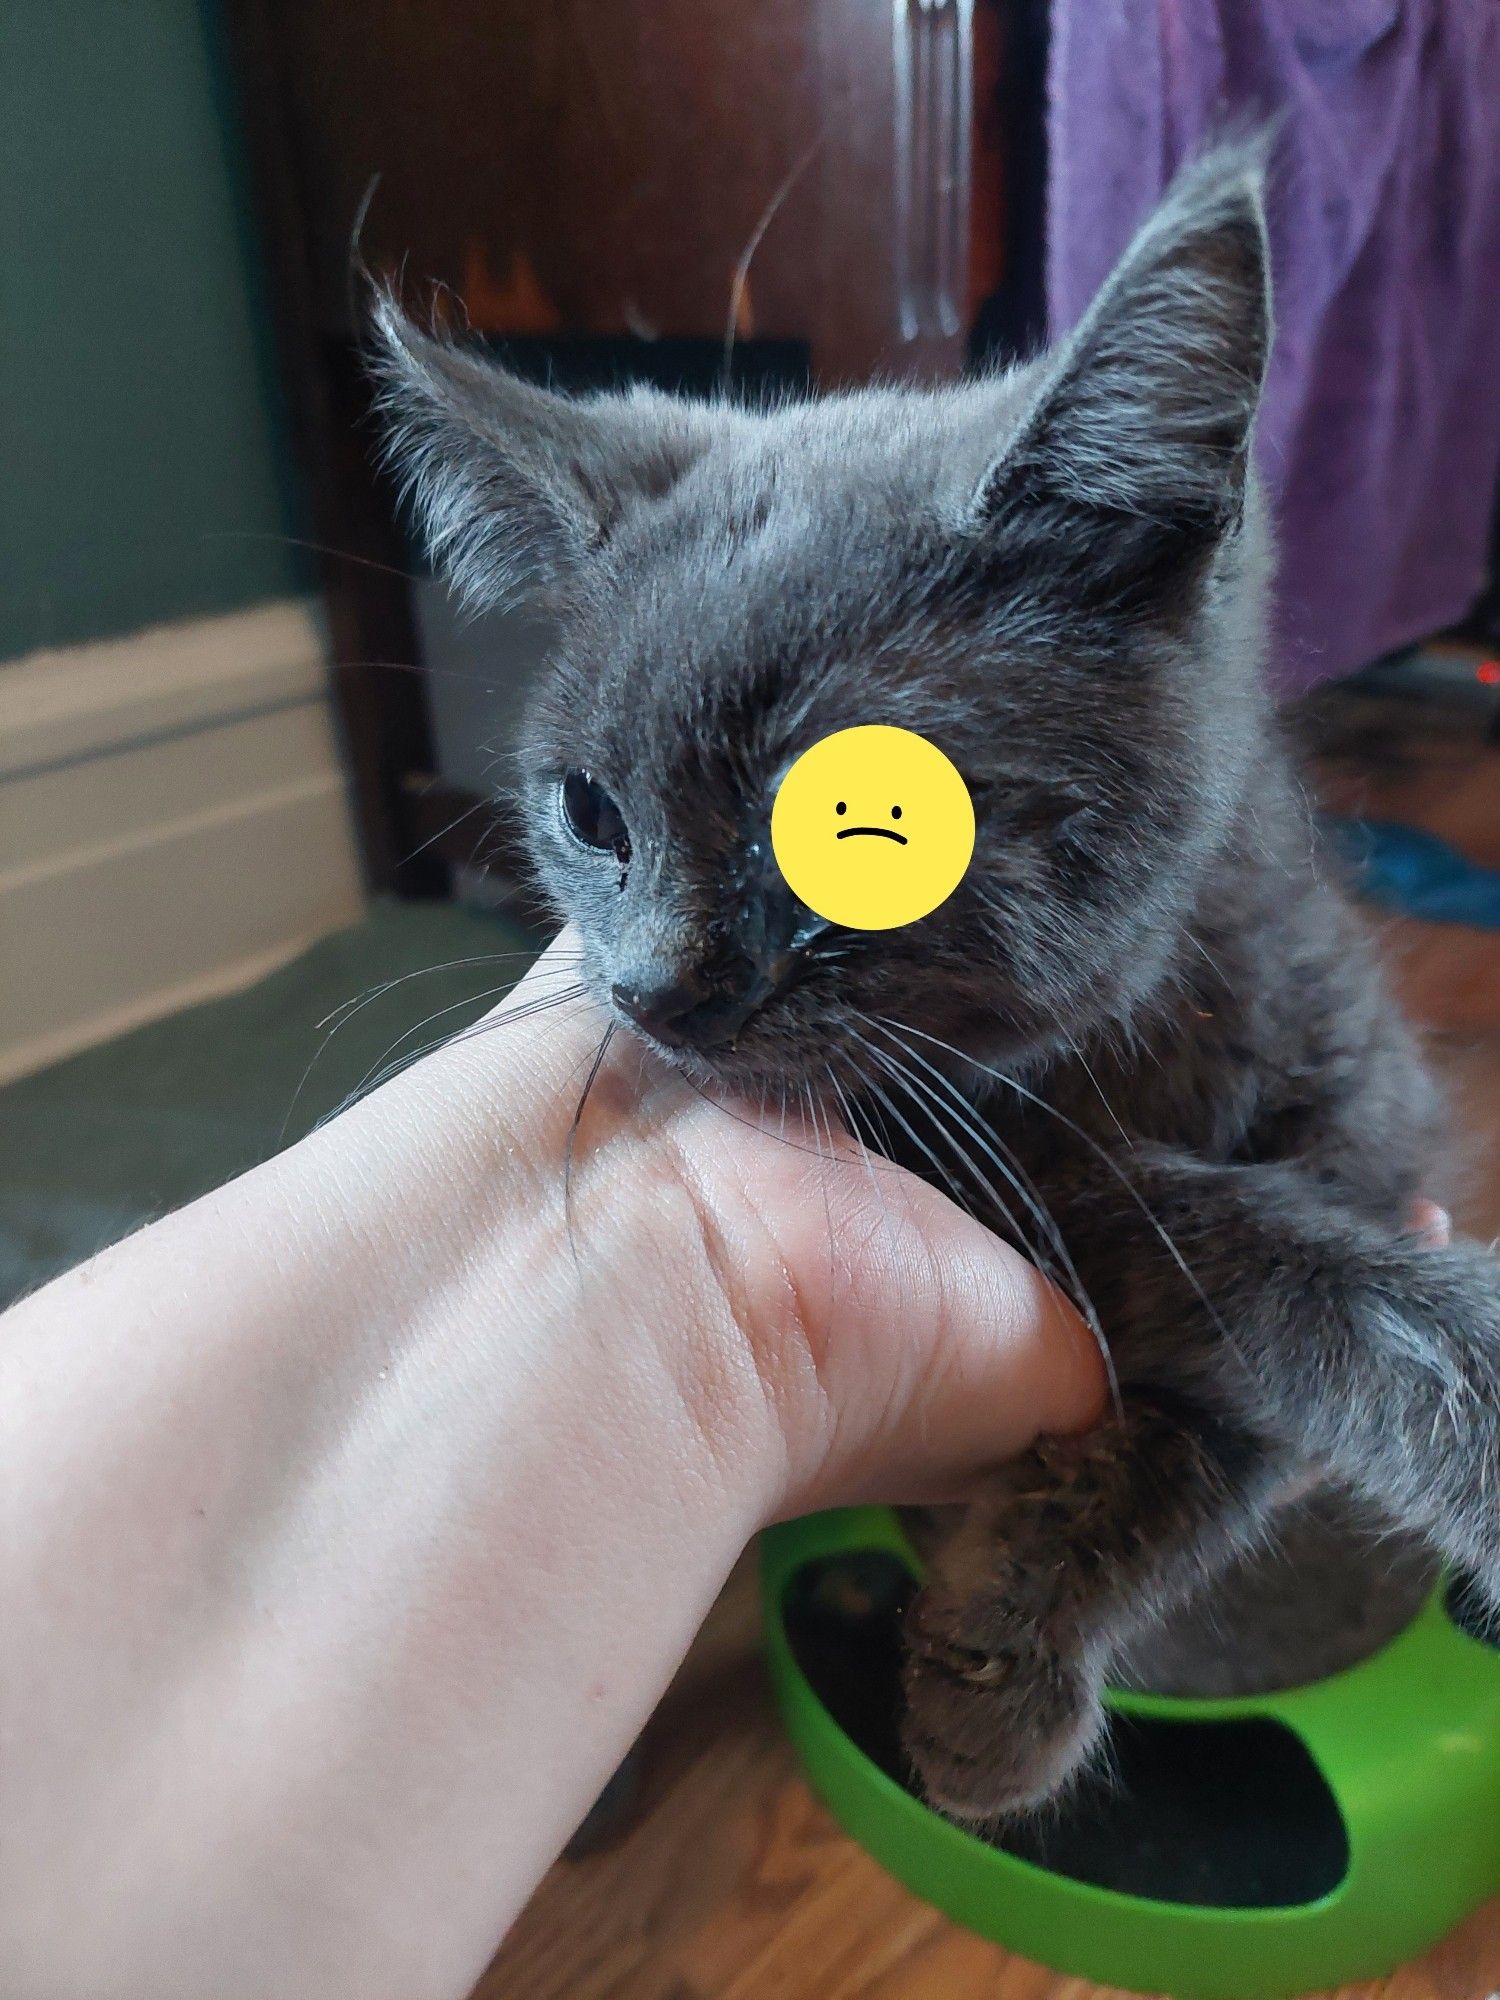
(1380, 437)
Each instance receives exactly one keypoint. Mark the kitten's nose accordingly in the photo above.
(691, 1013)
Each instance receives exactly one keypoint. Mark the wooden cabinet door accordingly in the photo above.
(602, 166)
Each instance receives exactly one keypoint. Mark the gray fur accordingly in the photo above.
(1146, 1037)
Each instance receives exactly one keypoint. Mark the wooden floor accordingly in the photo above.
(735, 1884)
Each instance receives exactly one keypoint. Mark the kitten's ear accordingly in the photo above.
(1139, 434)
(509, 482)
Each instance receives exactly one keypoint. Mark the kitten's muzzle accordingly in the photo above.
(758, 953)
(695, 1012)
(705, 1007)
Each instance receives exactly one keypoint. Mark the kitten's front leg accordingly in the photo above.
(1067, 1550)
(1360, 1351)
(1374, 1355)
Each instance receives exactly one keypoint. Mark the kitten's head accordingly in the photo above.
(1053, 574)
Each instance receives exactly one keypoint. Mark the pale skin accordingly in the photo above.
(355, 1517)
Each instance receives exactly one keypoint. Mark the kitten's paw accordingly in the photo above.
(996, 1722)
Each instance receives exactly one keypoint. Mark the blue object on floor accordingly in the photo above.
(1417, 873)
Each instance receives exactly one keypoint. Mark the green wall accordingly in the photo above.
(142, 476)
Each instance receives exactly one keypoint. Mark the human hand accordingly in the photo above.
(829, 1309)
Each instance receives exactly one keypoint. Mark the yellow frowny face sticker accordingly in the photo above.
(873, 827)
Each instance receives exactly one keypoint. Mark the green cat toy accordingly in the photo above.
(1325, 1834)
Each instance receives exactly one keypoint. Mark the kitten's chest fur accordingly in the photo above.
(1272, 1038)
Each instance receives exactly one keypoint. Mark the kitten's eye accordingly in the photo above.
(592, 817)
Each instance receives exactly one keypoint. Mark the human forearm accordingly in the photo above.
(314, 1543)
(361, 1511)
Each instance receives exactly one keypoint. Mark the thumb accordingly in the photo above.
(907, 1347)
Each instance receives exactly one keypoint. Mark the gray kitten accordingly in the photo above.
(1145, 1038)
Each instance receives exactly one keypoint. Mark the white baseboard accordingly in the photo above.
(172, 824)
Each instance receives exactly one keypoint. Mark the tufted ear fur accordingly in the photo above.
(509, 482)
(1136, 443)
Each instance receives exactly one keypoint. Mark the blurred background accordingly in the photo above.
(252, 848)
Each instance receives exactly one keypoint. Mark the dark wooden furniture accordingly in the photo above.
(591, 175)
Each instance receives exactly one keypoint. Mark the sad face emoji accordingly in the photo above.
(873, 827)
